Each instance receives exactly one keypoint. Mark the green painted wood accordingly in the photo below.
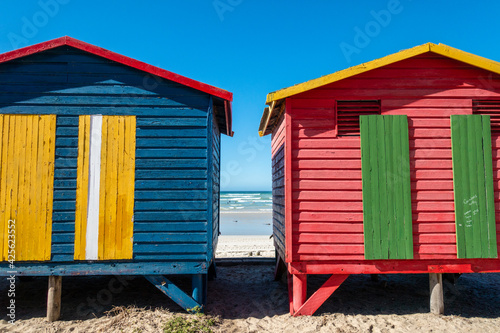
(473, 186)
(385, 164)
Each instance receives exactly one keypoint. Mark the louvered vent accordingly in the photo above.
(489, 107)
(348, 113)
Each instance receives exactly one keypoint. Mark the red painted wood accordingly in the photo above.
(326, 189)
(437, 265)
(321, 295)
(288, 183)
(299, 291)
(290, 291)
(214, 91)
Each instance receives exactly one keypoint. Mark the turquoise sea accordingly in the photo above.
(246, 213)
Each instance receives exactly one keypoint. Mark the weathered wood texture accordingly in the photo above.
(54, 298)
(116, 188)
(326, 169)
(171, 192)
(385, 166)
(213, 156)
(278, 171)
(27, 145)
(436, 293)
(473, 186)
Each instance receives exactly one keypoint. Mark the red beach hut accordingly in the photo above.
(388, 167)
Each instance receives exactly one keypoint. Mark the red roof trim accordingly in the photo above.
(214, 91)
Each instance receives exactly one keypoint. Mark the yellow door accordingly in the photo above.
(27, 152)
(105, 187)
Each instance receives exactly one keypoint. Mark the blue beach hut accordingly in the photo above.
(107, 166)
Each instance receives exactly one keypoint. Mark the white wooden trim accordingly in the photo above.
(92, 244)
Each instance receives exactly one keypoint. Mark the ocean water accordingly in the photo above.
(246, 213)
(246, 201)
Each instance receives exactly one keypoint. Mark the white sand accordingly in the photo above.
(245, 246)
(247, 299)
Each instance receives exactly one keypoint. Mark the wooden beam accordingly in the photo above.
(199, 284)
(321, 295)
(299, 291)
(265, 122)
(436, 293)
(279, 268)
(173, 292)
(54, 298)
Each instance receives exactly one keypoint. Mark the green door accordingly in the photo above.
(473, 186)
(385, 166)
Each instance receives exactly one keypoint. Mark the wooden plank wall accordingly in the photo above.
(215, 174)
(327, 206)
(278, 170)
(171, 151)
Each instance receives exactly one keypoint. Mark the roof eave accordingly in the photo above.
(124, 60)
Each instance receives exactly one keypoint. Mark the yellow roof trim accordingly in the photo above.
(466, 57)
(441, 49)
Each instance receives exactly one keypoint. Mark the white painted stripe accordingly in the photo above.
(91, 249)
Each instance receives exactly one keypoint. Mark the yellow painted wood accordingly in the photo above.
(3, 229)
(102, 198)
(119, 187)
(129, 180)
(466, 57)
(345, 73)
(82, 186)
(110, 190)
(26, 186)
(116, 192)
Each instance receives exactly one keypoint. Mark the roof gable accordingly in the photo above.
(275, 97)
(224, 96)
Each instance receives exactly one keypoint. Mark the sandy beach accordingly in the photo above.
(245, 298)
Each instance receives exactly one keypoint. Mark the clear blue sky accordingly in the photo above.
(252, 47)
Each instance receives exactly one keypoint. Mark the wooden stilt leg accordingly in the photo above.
(280, 267)
(299, 291)
(321, 295)
(54, 298)
(197, 283)
(436, 293)
(290, 291)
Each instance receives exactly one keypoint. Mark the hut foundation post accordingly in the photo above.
(436, 293)
(199, 283)
(299, 291)
(54, 298)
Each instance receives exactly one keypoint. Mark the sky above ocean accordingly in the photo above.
(251, 48)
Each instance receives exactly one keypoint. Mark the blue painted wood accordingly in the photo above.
(167, 216)
(188, 247)
(152, 227)
(149, 205)
(90, 110)
(199, 287)
(63, 214)
(171, 143)
(176, 213)
(169, 194)
(173, 292)
(165, 184)
(278, 166)
(165, 237)
(210, 170)
(106, 268)
(172, 174)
